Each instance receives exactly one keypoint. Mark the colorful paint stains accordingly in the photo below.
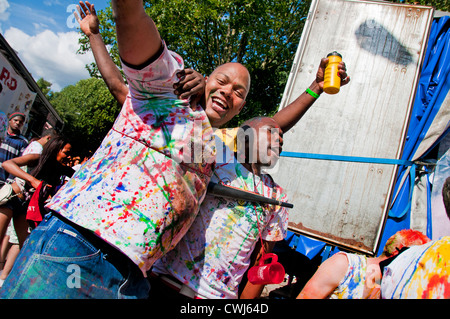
(214, 255)
(421, 272)
(139, 191)
(431, 277)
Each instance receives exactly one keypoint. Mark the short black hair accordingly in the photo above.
(50, 131)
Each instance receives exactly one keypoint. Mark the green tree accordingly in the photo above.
(45, 87)
(88, 110)
(261, 34)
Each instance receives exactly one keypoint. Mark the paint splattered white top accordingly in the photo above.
(352, 285)
(421, 272)
(133, 193)
(215, 253)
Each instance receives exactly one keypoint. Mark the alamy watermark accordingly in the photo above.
(74, 278)
(71, 21)
(249, 145)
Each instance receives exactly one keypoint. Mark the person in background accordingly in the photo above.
(48, 170)
(355, 276)
(10, 243)
(9, 251)
(33, 152)
(419, 272)
(80, 162)
(13, 144)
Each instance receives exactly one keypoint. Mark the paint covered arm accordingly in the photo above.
(291, 114)
(12, 166)
(326, 279)
(89, 25)
(191, 84)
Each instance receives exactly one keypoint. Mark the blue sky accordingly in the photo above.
(45, 36)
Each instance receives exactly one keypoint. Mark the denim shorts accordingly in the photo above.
(58, 262)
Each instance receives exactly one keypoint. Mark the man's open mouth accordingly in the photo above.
(219, 105)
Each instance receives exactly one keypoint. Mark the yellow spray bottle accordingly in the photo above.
(332, 81)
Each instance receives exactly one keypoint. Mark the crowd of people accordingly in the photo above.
(135, 220)
(24, 167)
(39, 166)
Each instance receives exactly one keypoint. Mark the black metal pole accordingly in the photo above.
(234, 193)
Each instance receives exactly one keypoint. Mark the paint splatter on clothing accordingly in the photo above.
(421, 272)
(352, 285)
(142, 188)
(215, 253)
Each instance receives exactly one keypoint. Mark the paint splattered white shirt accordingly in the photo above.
(352, 285)
(215, 253)
(33, 148)
(421, 272)
(133, 192)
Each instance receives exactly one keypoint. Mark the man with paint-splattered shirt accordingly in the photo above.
(211, 259)
(138, 182)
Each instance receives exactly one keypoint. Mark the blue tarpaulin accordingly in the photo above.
(433, 87)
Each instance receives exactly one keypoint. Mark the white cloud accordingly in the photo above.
(51, 56)
(52, 2)
(4, 13)
(4, 5)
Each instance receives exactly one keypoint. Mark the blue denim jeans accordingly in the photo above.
(57, 262)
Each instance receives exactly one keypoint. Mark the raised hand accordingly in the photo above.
(89, 22)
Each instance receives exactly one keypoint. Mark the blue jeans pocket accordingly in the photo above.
(68, 245)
